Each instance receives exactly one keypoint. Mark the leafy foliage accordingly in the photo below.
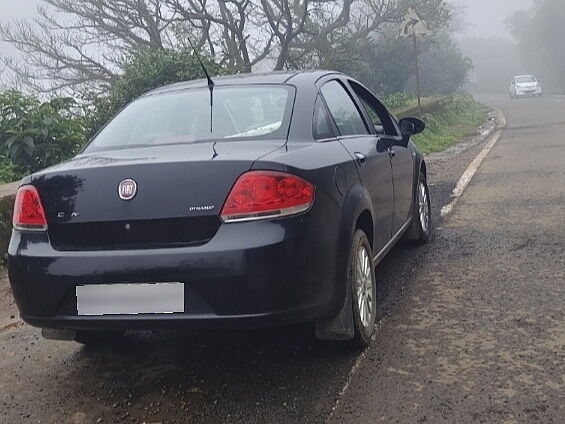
(35, 135)
(144, 72)
(8, 171)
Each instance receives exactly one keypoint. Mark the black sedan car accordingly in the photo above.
(270, 205)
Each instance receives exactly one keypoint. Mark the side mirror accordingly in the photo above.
(411, 126)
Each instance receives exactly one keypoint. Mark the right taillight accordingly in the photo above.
(29, 214)
(267, 194)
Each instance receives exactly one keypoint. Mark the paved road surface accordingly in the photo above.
(480, 335)
(472, 328)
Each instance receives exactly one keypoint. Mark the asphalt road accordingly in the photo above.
(472, 327)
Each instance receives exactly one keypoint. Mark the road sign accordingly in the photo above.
(413, 25)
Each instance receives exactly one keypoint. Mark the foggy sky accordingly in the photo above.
(486, 18)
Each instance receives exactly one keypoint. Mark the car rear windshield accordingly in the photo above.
(522, 80)
(239, 112)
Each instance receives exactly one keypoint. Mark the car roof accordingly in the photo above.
(525, 76)
(280, 77)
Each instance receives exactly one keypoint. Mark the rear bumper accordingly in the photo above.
(179, 321)
(249, 275)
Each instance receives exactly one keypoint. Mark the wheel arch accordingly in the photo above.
(358, 214)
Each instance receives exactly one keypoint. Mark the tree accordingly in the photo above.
(78, 46)
(385, 62)
(81, 46)
(444, 69)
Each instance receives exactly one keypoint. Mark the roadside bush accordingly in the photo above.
(8, 171)
(457, 118)
(35, 135)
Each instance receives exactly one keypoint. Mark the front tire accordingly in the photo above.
(361, 275)
(421, 229)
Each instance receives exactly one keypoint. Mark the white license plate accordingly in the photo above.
(130, 299)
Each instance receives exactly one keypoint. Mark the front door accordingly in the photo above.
(401, 157)
(370, 154)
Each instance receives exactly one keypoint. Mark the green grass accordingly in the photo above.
(449, 122)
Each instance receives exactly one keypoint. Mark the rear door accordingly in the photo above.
(370, 154)
(401, 157)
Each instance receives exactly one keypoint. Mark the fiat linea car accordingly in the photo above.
(271, 206)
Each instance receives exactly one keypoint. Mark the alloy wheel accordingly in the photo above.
(424, 207)
(364, 286)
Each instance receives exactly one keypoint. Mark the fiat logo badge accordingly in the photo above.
(127, 189)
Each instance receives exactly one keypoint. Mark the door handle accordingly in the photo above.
(391, 152)
(361, 158)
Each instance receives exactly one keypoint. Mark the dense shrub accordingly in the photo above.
(35, 135)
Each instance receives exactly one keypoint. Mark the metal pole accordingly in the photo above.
(418, 92)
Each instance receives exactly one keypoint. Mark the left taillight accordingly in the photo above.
(267, 194)
(29, 214)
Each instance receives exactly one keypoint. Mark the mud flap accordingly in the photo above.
(53, 334)
(341, 326)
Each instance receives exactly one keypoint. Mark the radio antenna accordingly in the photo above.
(211, 84)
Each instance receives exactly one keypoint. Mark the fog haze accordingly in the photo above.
(487, 18)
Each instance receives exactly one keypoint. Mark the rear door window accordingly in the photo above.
(322, 127)
(343, 110)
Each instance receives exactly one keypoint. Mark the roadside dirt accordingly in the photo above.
(9, 317)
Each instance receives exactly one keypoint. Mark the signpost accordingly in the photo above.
(413, 26)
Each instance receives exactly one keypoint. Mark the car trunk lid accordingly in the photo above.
(180, 192)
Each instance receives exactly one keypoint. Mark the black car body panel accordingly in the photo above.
(274, 271)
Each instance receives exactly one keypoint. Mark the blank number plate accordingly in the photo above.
(130, 299)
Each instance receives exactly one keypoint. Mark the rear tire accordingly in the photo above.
(361, 276)
(98, 338)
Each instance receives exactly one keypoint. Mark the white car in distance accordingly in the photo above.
(525, 86)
